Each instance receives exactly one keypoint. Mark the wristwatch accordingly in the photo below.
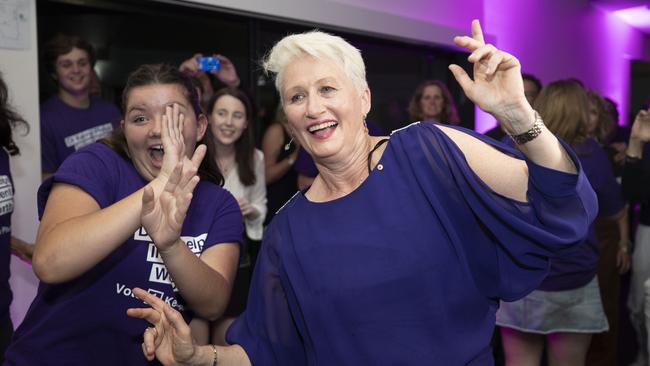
(532, 133)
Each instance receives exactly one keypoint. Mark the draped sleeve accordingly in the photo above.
(505, 244)
(267, 330)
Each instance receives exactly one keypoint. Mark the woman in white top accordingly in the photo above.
(230, 114)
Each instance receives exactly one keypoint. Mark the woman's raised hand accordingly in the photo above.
(641, 126)
(227, 74)
(497, 86)
(169, 339)
(164, 211)
(171, 136)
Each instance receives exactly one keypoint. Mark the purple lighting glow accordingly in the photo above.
(638, 17)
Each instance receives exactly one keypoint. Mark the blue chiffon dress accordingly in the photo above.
(409, 268)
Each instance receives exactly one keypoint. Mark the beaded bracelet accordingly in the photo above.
(215, 359)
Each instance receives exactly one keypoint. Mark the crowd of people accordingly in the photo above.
(333, 243)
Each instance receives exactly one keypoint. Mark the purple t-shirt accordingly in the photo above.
(578, 267)
(407, 269)
(65, 129)
(83, 321)
(6, 208)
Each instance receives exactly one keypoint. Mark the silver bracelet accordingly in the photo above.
(532, 133)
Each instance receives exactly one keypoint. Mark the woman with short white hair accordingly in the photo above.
(401, 249)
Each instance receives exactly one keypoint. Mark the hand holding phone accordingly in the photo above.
(208, 63)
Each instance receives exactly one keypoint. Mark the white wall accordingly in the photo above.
(20, 71)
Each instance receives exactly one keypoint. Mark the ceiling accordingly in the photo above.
(636, 13)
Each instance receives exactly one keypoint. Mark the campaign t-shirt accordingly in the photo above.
(66, 129)
(83, 321)
(6, 208)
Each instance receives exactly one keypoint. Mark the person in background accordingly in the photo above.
(230, 113)
(72, 118)
(141, 209)
(636, 187)
(613, 245)
(226, 74)
(280, 153)
(532, 87)
(566, 309)
(9, 120)
(401, 248)
(432, 101)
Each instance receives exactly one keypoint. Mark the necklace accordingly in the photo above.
(225, 166)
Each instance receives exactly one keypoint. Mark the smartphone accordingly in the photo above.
(208, 63)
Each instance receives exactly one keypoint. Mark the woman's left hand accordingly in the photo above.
(171, 137)
(163, 216)
(497, 87)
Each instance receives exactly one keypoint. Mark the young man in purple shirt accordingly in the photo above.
(72, 118)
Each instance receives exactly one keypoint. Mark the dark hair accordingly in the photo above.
(62, 44)
(164, 74)
(533, 79)
(449, 114)
(8, 120)
(606, 125)
(244, 146)
(564, 106)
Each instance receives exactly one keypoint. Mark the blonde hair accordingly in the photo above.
(564, 106)
(318, 45)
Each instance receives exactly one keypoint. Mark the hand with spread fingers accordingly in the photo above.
(169, 339)
(497, 86)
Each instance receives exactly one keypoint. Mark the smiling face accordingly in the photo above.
(324, 110)
(73, 72)
(431, 103)
(228, 120)
(142, 125)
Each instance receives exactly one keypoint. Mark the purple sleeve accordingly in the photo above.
(49, 157)
(266, 330)
(227, 222)
(508, 254)
(93, 169)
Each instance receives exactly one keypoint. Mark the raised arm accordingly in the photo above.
(497, 88)
(170, 340)
(636, 175)
(272, 146)
(75, 234)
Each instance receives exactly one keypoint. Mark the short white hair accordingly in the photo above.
(319, 45)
